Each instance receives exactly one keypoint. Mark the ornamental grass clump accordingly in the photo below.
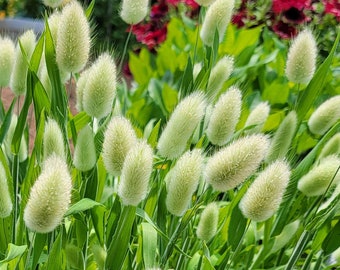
(208, 223)
(233, 164)
(216, 19)
(264, 195)
(225, 116)
(320, 177)
(181, 125)
(100, 88)
(134, 11)
(49, 197)
(73, 39)
(136, 173)
(301, 60)
(85, 150)
(7, 53)
(182, 181)
(325, 116)
(6, 204)
(18, 82)
(119, 138)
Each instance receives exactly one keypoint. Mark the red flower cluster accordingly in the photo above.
(332, 7)
(153, 32)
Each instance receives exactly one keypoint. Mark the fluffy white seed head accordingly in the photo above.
(225, 116)
(100, 87)
(257, 118)
(204, 3)
(7, 52)
(20, 67)
(230, 166)
(81, 84)
(53, 140)
(282, 138)
(45, 79)
(85, 151)
(220, 73)
(181, 125)
(6, 205)
(325, 116)
(73, 38)
(53, 23)
(317, 180)
(23, 152)
(301, 60)
(217, 19)
(332, 147)
(50, 196)
(134, 11)
(136, 172)
(207, 226)
(53, 3)
(183, 181)
(264, 196)
(119, 138)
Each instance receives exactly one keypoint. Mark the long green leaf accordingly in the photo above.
(149, 235)
(82, 205)
(14, 252)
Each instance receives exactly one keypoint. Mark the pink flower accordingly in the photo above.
(280, 6)
(284, 30)
(332, 7)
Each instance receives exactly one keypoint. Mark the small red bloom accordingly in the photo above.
(332, 7)
(284, 30)
(280, 6)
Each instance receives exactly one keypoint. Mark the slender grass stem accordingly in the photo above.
(30, 251)
(125, 50)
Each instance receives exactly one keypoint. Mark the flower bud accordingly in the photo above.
(264, 196)
(300, 66)
(332, 147)
(257, 118)
(325, 116)
(6, 205)
(317, 180)
(7, 52)
(73, 45)
(53, 141)
(50, 196)
(220, 73)
(100, 87)
(85, 151)
(53, 3)
(207, 226)
(204, 3)
(182, 181)
(134, 11)
(20, 67)
(225, 116)
(217, 18)
(119, 138)
(136, 172)
(181, 125)
(230, 166)
(282, 138)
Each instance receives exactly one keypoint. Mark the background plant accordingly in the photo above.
(127, 208)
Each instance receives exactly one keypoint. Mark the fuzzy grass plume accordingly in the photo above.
(264, 196)
(100, 87)
(74, 42)
(119, 138)
(207, 226)
(225, 116)
(325, 116)
(301, 60)
(181, 125)
(217, 19)
(332, 147)
(257, 118)
(7, 52)
(49, 197)
(134, 11)
(6, 204)
(136, 172)
(182, 181)
(230, 166)
(53, 140)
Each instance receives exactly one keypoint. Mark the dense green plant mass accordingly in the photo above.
(209, 158)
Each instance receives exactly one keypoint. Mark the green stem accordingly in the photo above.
(30, 250)
(15, 175)
(125, 50)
